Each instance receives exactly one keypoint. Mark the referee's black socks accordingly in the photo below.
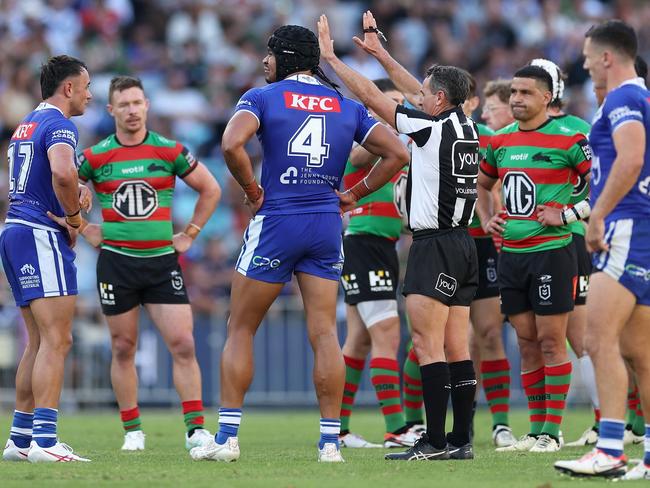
(463, 389)
(436, 386)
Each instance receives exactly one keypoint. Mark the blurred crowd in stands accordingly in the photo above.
(196, 57)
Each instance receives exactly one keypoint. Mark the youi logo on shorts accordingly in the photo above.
(446, 284)
(264, 262)
(311, 103)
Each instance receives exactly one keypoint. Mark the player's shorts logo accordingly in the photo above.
(29, 278)
(380, 280)
(177, 280)
(27, 269)
(583, 285)
(135, 199)
(264, 262)
(106, 295)
(350, 284)
(491, 270)
(519, 194)
(545, 292)
(446, 284)
(638, 272)
(290, 176)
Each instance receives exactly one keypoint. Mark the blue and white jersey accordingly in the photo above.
(629, 103)
(306, 130)
(31, 194)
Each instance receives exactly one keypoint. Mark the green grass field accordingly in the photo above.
(278, 450)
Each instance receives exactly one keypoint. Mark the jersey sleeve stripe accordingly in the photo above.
(488, 169)
(253, 114)
(625, 122)
(368, 133)
(584, 167)
(65, 143)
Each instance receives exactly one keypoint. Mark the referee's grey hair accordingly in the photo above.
(452, 81)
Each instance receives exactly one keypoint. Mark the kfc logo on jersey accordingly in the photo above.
(24, 131)
(311, 103)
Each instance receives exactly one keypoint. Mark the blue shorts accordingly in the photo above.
(38, 263)
(628, 258)
(275, 246)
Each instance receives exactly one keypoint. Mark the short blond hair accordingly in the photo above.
(500, 88)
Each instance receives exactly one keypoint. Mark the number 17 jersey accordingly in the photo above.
(31, 194)
(306, 130)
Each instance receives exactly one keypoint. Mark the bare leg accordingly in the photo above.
(24, 394)
(249, 301)
(53, 317)
(357, 341)
(124, 339)
(319, 298)
(609, 308)
(175, 324)
(487, 320)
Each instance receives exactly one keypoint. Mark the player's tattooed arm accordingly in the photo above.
(241, 127)
(404, 81)
(364, 89)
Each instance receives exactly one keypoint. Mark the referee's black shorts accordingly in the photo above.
(442, 264)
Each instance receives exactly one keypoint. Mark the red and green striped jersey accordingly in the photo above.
(135, 186)
(381, 212)
(581, 190)
(536, 167)
(484, 136)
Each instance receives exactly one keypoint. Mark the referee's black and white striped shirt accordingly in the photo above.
(441, 188)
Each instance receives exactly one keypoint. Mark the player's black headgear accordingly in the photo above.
(296, 49)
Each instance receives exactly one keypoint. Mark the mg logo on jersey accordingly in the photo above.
(465, 159)
(446, 284)
(519, 194)
(135, 199)
(311, 103)
(380, 280)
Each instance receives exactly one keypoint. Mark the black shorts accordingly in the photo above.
(488, 259)
(542, 281)
(370, 269)
(443, 265)
(584, 269)
(125, 282)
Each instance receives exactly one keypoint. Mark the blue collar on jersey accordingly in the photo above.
(303, 79)
(45, 105)
(634, 81)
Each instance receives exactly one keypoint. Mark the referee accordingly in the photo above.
(442, 269)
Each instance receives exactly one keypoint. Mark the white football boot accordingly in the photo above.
(502, 436)
(200, 437)
(638, 472)
(133, 441)
(594, 463)
(588, 438)
(14, 453)
(525, 443)
(545, 443)
(330, 454)
(407, 439)
(58, 453)
(355, 441)
(212, 451)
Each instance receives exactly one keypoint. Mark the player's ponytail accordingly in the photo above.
(318, 71)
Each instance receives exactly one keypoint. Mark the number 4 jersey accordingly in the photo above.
(31, 194)
(537, 167)
(135, 186)
(306, 130)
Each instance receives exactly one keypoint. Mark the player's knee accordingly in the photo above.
(491, 338)
(528, 345)
(551, 345)
(123, 348)
(182, 347)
